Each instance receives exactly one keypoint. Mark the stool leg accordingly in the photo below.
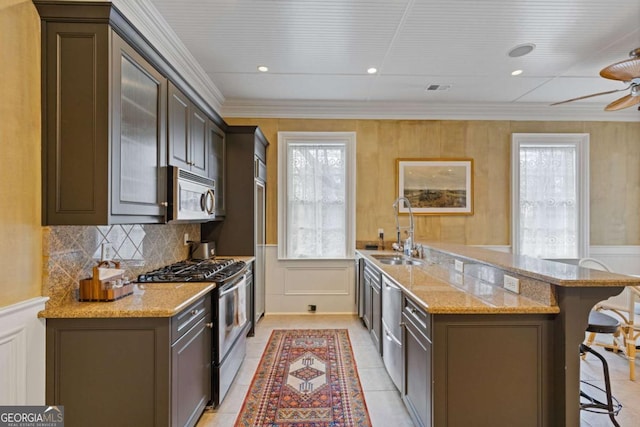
(590, 339)
(631, 355)
(607, 384)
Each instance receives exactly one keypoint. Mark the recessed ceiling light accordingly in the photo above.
(263, 68)
(372, 70)
(516, 72)
(521, 50)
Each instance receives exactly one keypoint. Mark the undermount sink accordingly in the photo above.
(397, 260)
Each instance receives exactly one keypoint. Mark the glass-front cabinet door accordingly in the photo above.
(138, 135)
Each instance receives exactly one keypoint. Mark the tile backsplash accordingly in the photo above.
(71, 252)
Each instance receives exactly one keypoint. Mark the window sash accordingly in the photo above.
(550, 195)
(316, 206)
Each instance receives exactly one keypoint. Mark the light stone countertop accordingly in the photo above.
(148, 300)
(556, 273)
(444, 292)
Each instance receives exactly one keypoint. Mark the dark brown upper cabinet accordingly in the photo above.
(111, 122)
(217, 152)
(188, 139)
(104, 126)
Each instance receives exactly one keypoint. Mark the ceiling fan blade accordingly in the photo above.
(624, 102)
(623, 70)
(590, 96)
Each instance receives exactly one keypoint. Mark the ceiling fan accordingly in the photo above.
(627, 71)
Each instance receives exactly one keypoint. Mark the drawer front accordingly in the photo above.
(370, 270)
(418, 317)
(188, 317)
(374, 276)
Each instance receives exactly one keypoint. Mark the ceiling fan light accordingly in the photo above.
(521, 50)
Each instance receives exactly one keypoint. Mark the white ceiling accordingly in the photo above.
(318, 52)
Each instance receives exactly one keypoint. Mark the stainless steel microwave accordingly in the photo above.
(193, 197)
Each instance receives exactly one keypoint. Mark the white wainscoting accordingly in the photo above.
(621, 259)
(22, 353)
(498, 248)
(291, 286)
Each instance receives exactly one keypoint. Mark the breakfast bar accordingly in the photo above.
(500, 354)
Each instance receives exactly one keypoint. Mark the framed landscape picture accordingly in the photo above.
(436, 186)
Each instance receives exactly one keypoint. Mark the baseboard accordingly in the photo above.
(306, 313)
(22, 353)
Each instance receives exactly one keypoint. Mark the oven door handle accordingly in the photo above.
(233, 288)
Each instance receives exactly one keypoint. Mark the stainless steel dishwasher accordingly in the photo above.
(392, 330)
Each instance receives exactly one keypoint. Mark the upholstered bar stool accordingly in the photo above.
(601, 324)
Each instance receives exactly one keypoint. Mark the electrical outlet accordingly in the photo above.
(459, 265)
(458, 279)
(511, 284)
(106, 253)
(185, 239)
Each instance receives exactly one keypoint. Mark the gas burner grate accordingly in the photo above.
(209, 270)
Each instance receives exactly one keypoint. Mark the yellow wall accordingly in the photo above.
(20, 189)
(615, 174)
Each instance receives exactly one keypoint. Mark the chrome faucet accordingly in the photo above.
(408, 247)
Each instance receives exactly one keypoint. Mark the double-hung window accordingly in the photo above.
(550, 195)
(316, 195)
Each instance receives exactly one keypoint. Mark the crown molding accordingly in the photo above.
(152, 25)
(259, 108)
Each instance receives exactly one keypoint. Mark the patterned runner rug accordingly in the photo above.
(306, 378)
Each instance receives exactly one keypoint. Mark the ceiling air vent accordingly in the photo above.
(437, 88)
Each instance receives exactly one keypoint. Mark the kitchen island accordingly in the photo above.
(495, 357)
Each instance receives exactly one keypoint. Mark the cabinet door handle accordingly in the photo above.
(164, 204)
(209, 325)
(194, 312)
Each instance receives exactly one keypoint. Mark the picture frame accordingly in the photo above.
(436, 186)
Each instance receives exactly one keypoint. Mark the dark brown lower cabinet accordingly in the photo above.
(417, 367)
(139, 372)
(372, 314)
(376, 313)
(478, 369)
(366, 306)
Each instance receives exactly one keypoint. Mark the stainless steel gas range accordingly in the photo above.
(231, 305)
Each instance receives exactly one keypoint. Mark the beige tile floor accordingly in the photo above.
(383, 400)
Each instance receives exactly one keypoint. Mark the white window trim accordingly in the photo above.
(578, 140)
(349, 139)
